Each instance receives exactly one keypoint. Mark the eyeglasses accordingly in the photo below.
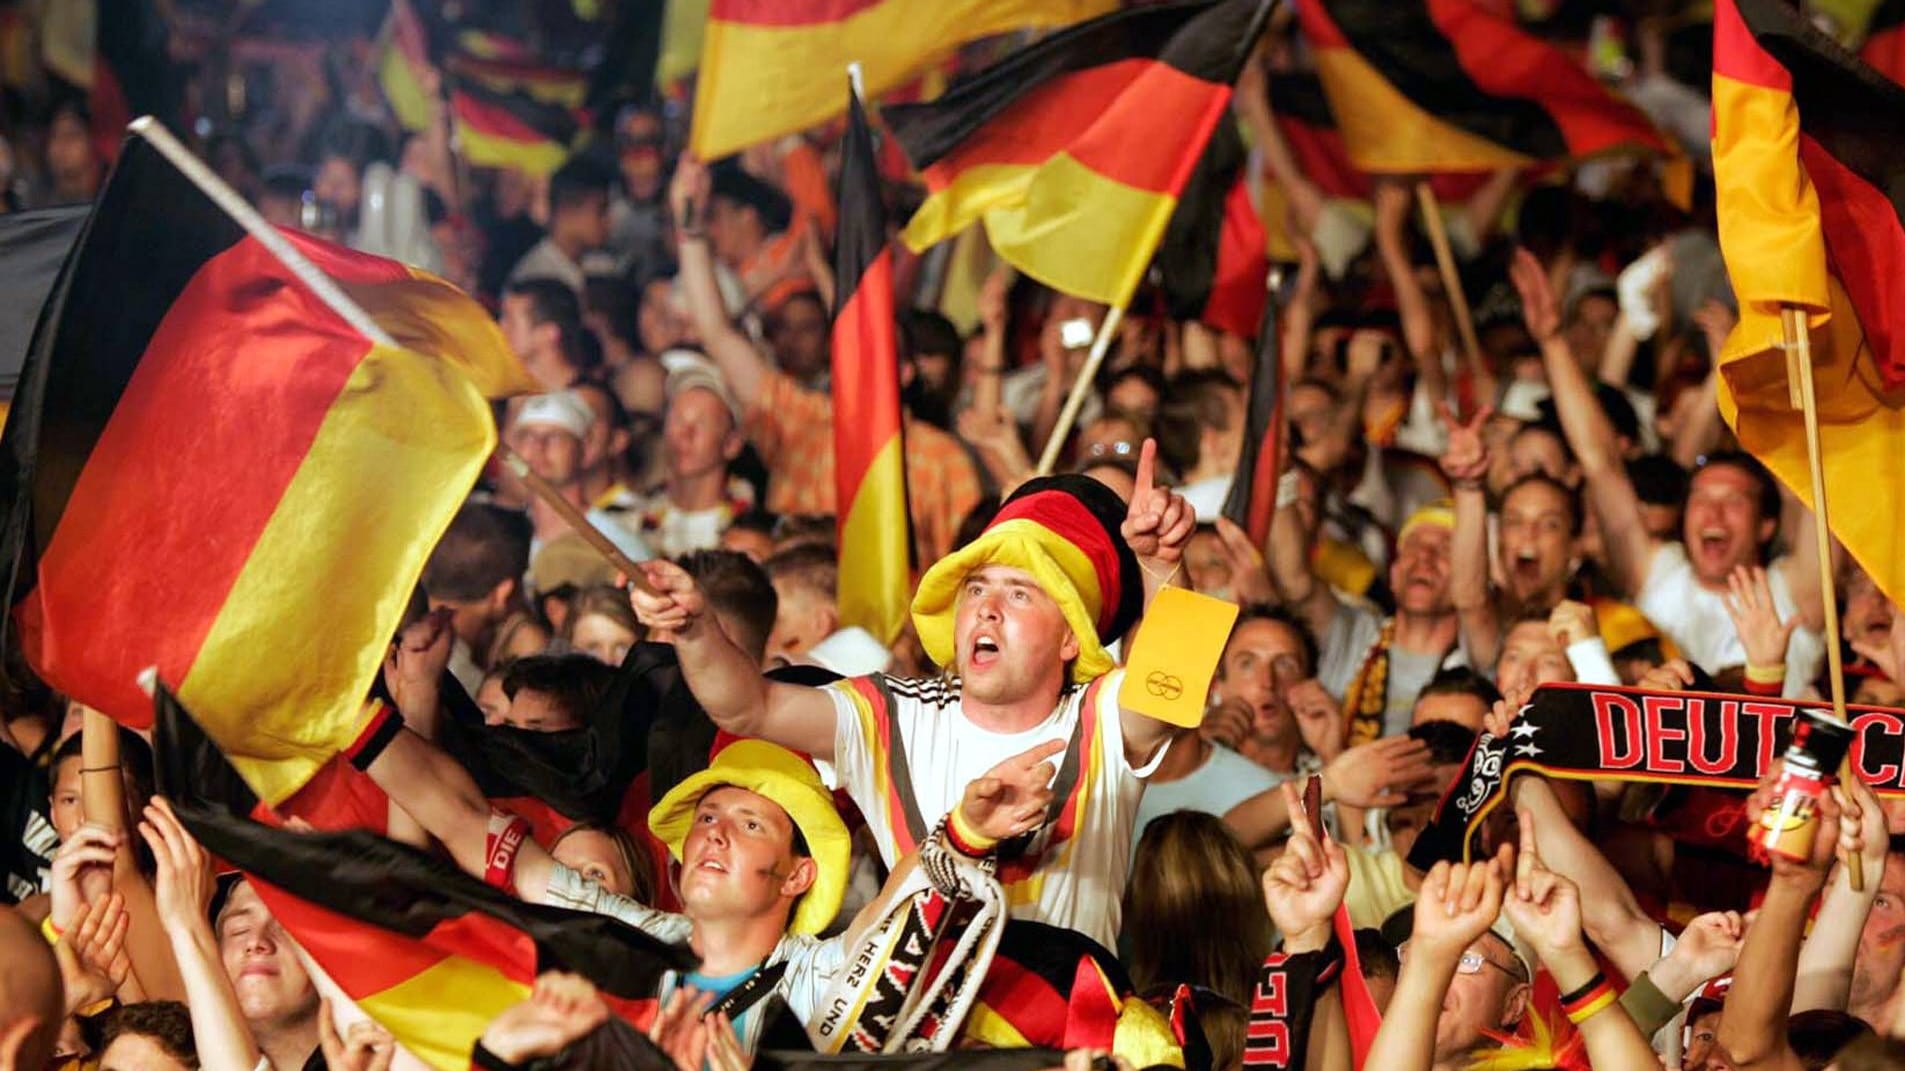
(1470, 963)
(1117, 449)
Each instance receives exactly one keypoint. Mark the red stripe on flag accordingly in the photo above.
(1884, 51)
(790, 13)
(1866, 243)
(1041, 124)
(866, 397)
(227, 399)
(1738, 55)
(1123, 143)
(1237, 293)
(495, 120)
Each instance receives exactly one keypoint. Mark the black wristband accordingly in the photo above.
(383, 728)
(480, 1056)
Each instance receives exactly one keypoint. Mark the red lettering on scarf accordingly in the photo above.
(1606, 708)
(1729, 755)
(1769, 715)
(1658, 733)
(1888, 774)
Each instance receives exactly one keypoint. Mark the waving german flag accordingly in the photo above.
(1809, 166)
(869, 469)
(772, 67)
(1445, 85)
(232, 451)
(1073, 151)
(424, 949)
(1215, 254)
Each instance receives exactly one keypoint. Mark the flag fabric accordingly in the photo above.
(1215, 252)
(1450, 85)
(1809, 171)
(33, 245)
(511, 128)
(1884, 47)
(1073, 150)
(869, 469)
(1302, 113)
(1252, 500)
(771, 67)
(133, 73)
(424, 949)
(237, 475)
(406, 55)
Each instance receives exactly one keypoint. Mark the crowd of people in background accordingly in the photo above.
(1453, 530)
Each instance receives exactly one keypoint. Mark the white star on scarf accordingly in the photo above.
(1527, 749)
(1524, 728)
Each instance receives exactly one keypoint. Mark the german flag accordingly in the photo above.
(232, 452)
(419, 946)
(1056, 988)
(133, 72)
(511, 128)
(1448, 85)
(1073, 150)
(1809, 168)
(1252, 500)
(1884, 47)
(406, 56)
(771, 67)
(1302, 113)
(1215, 254)
(869, 470)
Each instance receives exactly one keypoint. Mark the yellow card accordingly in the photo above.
(1175, 655)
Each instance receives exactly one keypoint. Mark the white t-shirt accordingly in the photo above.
(1073, 871)
(1222, 781)
(1207, 496)
(1353, 633)
(1695, 618)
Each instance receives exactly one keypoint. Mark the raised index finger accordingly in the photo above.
(1038, 753)
(1147, 470)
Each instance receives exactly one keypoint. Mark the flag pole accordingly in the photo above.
(1451, 279)
(1080, 388)
(1797, 341)
(573, 514)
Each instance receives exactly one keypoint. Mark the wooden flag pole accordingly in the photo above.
(1798, 345)
(1080, 388)
(1451, 279)
(573, 514)
(102, 792)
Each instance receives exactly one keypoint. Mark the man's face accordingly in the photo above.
(1530, 657)
(1587, 330)
(273, 989)
(1010, 639)
(493, 701)
(1489, 999)
(1260, 663)
(733, 229)
(553, 453)
(639, 148)
(738, 861)
(1532, 451)
(1110, 436)
(1881, 954)
(599, 443)
(1723, 526)
(1310, 410)
(1703, 1046)
(137, 1052)
(517, 319)
(659, 322)
(1206, 565)
(66, 812)
(798, 334)
(586, 220)
(69, 153)
(1537, 539)
(1868, 616)
(697, 434)
(757, 545)
(537, 712)
(1420, 574)
(1458, 707)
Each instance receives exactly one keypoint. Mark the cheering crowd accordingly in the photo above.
(872, 843)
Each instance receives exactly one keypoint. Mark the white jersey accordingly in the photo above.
(1695, 618)
(905, 753)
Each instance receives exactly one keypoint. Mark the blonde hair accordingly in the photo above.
(1193, 913)
(641, 873)
(603, 601)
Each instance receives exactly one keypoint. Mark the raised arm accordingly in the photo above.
(1157, 525)
(1589, 433)
(1418, 323)
(1380, 773)
(1824, 978)
(1465, 463)
(725, 681)
(741, 364)
(1610, 914)
(1456, 905)
(1303, 591)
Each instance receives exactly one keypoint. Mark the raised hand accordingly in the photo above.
(688, 193)
(680, 1029)
(1364, 355)
(1707, 949)
(1749, 602)
(1379, 773)
(1249, 580)
(1465, 460)
(1319, 718)
(366, 1046)
(1157, 523)
(86, 858)
(1228, 723)
(1810, 871)
(1673, 675)
(414, 667)
(561, 1010)
(724, 1048)
(184, 882)
(992, 299)
(1306, 883)
(92, 955)
(1571, 622)
(1457, 903)
(675, 602)
(1012, 797)
(1544, 906)
(1890, 655)
(1500, 718)
(1538, 307)
(1862, 830)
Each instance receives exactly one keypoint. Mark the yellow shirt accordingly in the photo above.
(1376, 887)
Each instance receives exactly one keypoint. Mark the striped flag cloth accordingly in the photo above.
(237, 475)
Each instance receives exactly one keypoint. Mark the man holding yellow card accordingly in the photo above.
(1021, 618)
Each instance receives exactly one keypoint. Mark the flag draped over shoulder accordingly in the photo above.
(232, 452)
(869, 457)
(422, 948)
(1073, 151)
(1445, 85)
(1809, 169)
(771, 67)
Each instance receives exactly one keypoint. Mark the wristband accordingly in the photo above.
(480, 1056)
(381, 728)
(1775, 674)
(51, 932)
(966, 840)
(506, 833)
(1593, 997)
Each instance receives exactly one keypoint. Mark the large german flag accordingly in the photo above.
(422, 948)
(1215, 254)
(1302, 113)
(1447, 85)
(1073, 150)
(772, 67)
(232, 452)
(1809, 165)
(869, 469)
(407, 54)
